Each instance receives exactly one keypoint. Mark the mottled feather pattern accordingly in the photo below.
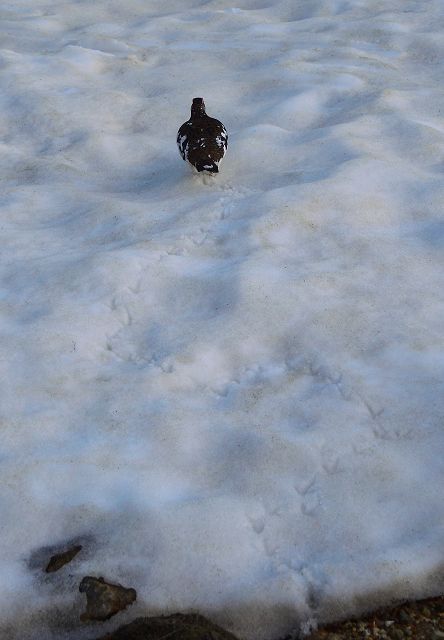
(202, 140)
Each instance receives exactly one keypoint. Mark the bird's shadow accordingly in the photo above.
(165, 174)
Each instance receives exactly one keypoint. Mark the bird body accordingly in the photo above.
(202, 140)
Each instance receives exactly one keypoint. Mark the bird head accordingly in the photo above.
(198, 107)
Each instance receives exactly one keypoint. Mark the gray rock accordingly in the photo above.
(104, 599)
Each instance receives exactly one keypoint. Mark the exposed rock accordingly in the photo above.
(404, 616)
(60, 559)
(103, 599)
(416, 620)
(176, 627)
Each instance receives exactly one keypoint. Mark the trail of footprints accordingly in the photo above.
(124, 347)
(307, 490)
(227, 199)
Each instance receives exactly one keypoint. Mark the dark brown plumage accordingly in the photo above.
(202, 140)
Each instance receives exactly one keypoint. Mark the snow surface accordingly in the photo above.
(230, 389)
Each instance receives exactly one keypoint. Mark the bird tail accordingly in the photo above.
(207, 165)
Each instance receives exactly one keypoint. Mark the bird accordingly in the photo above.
(202, 140)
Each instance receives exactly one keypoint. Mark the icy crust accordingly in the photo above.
(233, 389)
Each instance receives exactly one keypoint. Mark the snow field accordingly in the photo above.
(230, 389)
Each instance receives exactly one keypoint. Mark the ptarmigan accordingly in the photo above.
(202, 140)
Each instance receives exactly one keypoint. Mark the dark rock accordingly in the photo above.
(60, 559)
(404, 616)
(177, 627)
(103, 599)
